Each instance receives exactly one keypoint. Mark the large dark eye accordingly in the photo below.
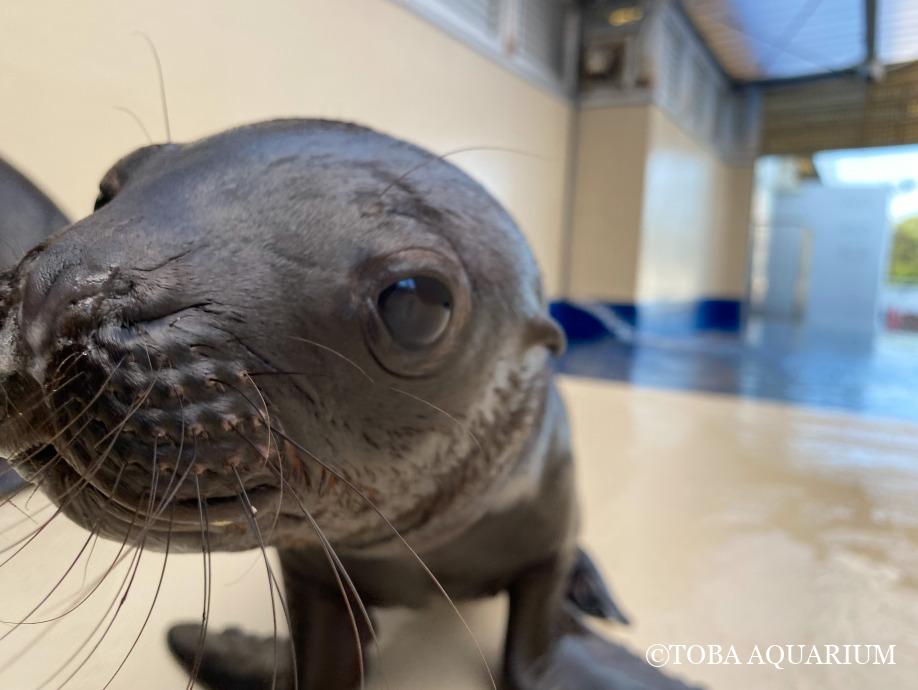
(416, 310)
(101, 200)
(107, 191)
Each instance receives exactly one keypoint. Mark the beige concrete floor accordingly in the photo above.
(718, 521)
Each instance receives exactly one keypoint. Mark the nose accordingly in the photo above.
(54, 292)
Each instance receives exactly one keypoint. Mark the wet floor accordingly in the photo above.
(718, 519)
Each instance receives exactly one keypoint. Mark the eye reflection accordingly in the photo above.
(416, 310)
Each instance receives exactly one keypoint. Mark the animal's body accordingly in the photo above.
(304, 325)
(27, 216)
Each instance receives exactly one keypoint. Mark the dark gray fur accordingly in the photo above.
(27, 217)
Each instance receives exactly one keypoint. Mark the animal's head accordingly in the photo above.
(287, 317)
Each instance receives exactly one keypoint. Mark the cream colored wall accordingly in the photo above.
(608, 203)
(63, 66)
(695, 223)
(657, 215)
(735, 255)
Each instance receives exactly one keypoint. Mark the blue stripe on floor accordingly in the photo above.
(764, 360)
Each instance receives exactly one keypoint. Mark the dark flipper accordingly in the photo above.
(232, 659)
(549, 647)
(327, 654)
(587, 661)
(588, 591)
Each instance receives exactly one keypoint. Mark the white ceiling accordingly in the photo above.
(777, 39)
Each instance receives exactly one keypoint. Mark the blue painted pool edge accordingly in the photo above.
(584, 322)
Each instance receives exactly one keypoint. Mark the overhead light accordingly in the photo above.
(626, 15)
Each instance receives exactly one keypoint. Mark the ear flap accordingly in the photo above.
(544, 330)
(121, 171)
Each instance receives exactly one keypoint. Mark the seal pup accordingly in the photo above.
(27, 216)
(309, 335)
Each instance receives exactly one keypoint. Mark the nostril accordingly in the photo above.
(49, 296)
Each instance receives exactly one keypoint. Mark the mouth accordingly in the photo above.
(219, 516)
(208, 503)
(223, 511)
(181, 431)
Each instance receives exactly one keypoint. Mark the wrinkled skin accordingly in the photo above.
(27, 216)
(213, 333)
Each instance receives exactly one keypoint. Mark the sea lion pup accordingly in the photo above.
(313, 336)
(27, 216)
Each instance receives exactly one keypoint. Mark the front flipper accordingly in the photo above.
(588, 591)
(548, 647)
(584, 660)
(232, 659)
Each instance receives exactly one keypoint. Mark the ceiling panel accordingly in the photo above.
(898, 31)
(777, 39)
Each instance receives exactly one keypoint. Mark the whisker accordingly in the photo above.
(290, 640)
(455, 421)
(119, 557)
(131, 114)
(454, 152)
(29, 485)
(178, 455)
(73, 421)
(45, 598)
(146, 620)
(415, 555)
(92, 549)
(334, 352)
(338, 570)
(116, 561)
(267, 415)
(354, 488)
(129, 579)
(162, 84)
(369, 378)
(31, 643)
(32, 495)
(43, 399)
(366, 499)
(239, 578)
(43, 393)
(335, 564)
(17, 523)
(208, 584)
(23, 512)
(133, 574)
(167, 499)
(249, 511)
(84, 479)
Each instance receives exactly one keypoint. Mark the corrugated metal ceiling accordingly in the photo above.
(898, 31)
(758, 40)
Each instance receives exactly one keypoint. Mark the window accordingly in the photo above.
(532, 37)
(480, 15)
(541, 34)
